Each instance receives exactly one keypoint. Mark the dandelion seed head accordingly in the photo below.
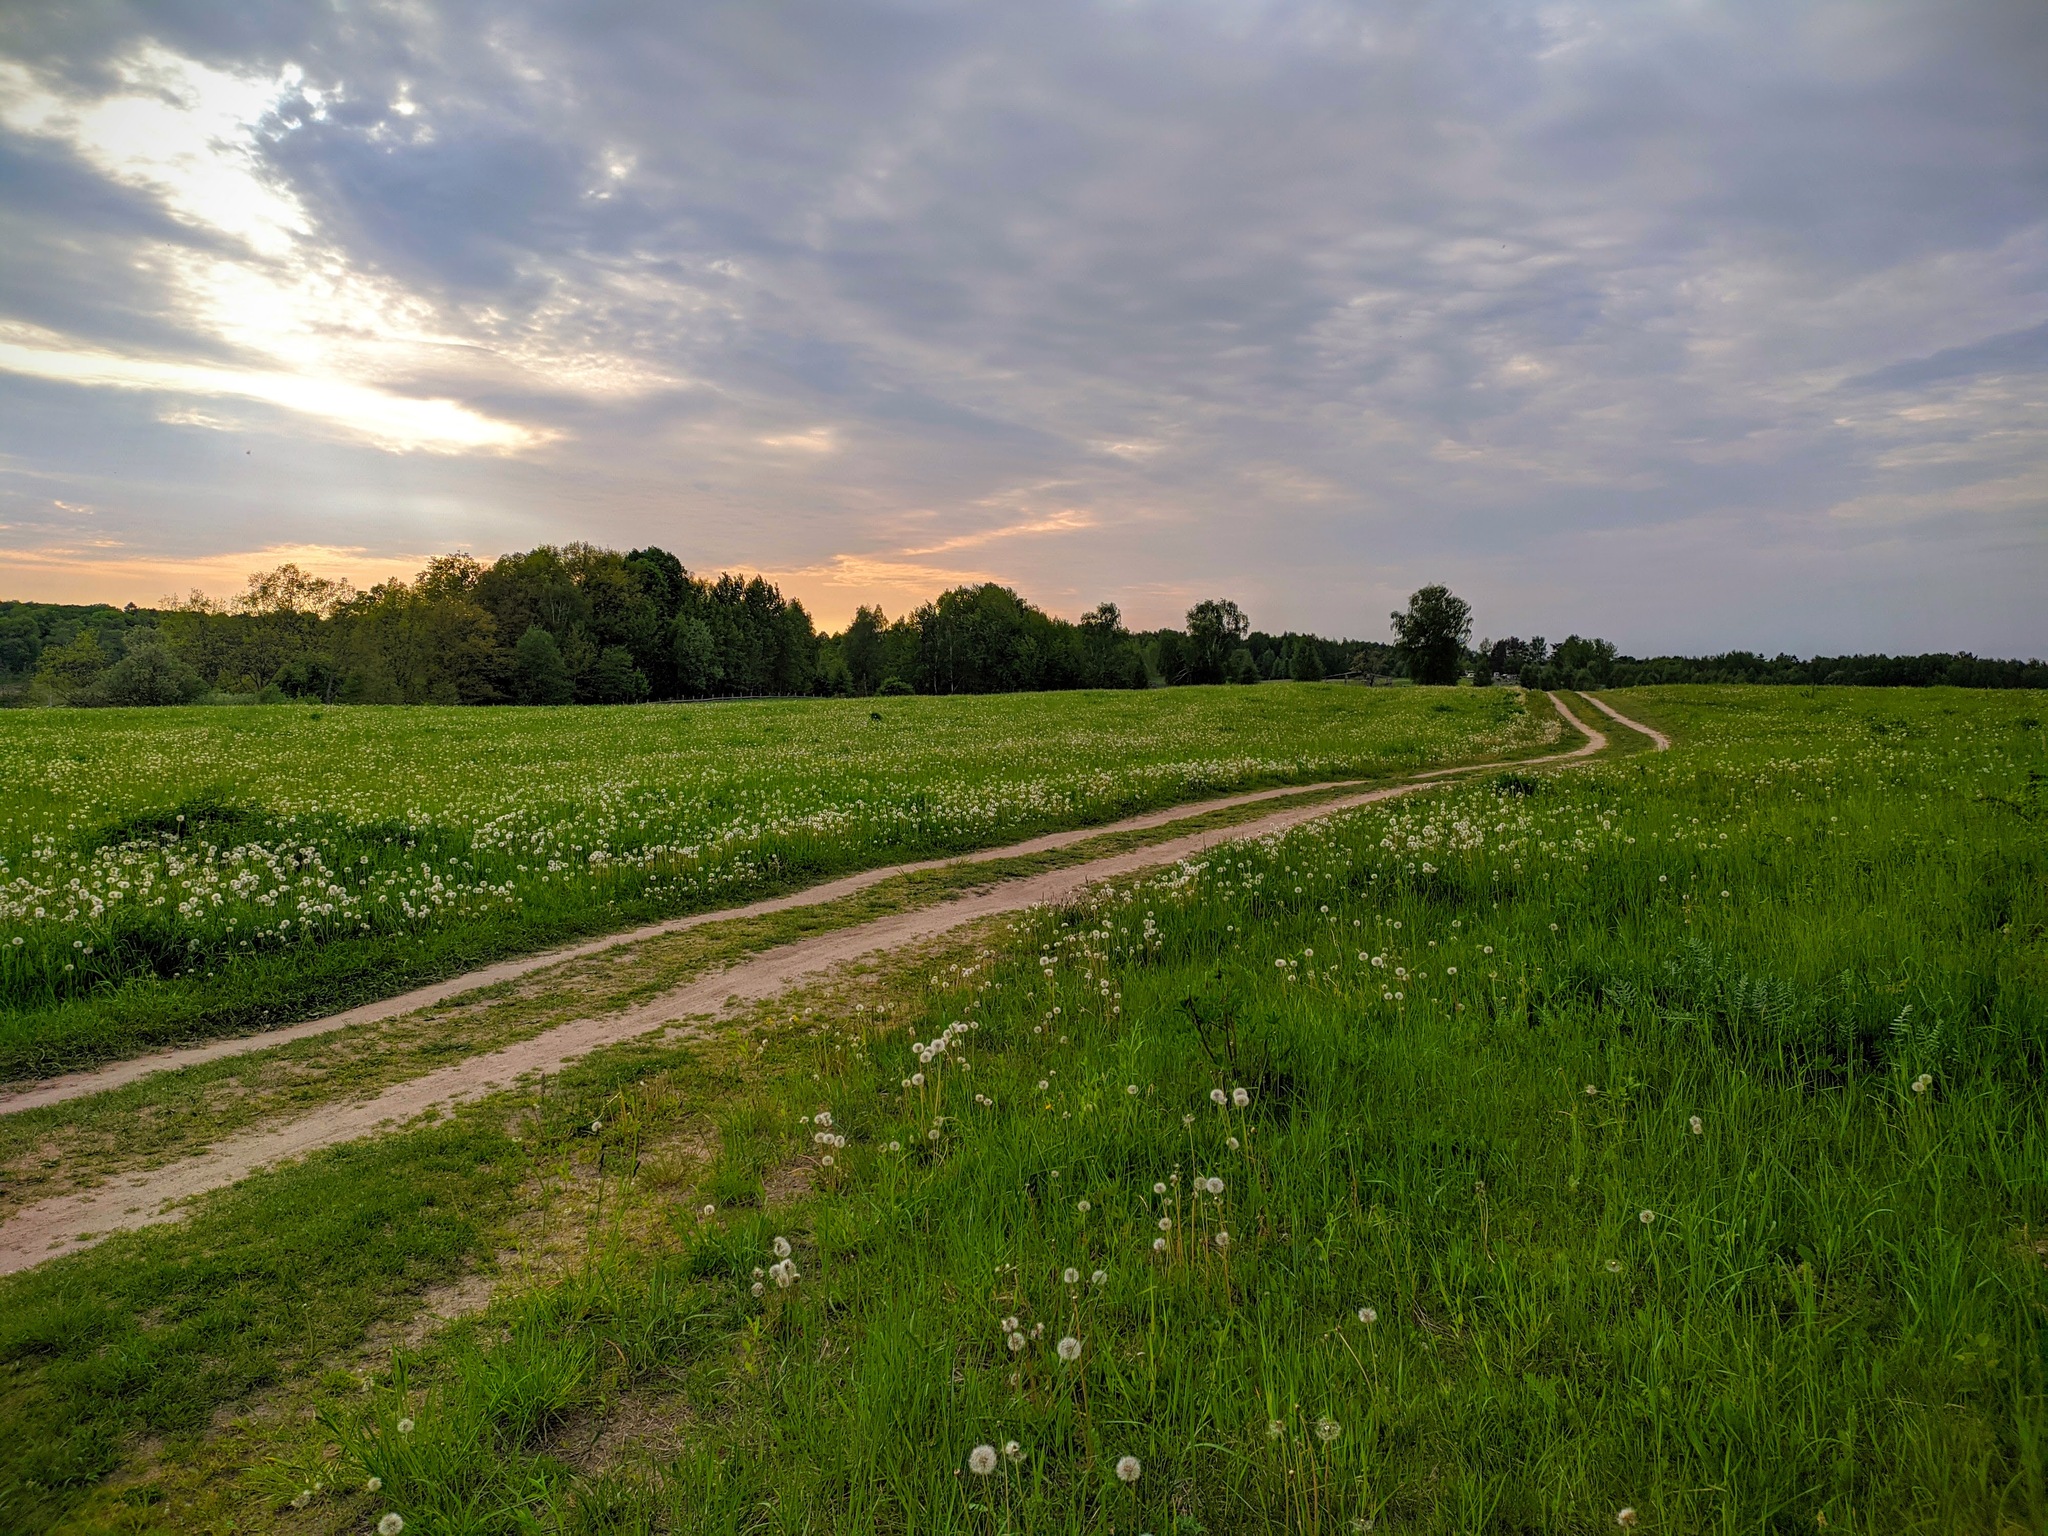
(781, 1247)
(1275, 1429)
(1240, 1097)
(1646, 1217)
(1626, 1519)
(1098, 1277)
(1071, 1276)
(1069, 1349)
(391, 1524)
(1218, 1096)
(373, 1485)
(981, 1460)
(1127, 1469)
(1367, 1316)
(405, 1426)
(1016, 1342)
(1697, 1125)
(1328, 1429)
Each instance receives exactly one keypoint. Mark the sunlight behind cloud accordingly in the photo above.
(396, 422)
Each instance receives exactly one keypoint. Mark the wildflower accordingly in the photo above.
(405, 1426)
(1166, 1223)
(895, 1146)
(781, 1247)
(1240, 1097)
(1698, 1126)
(1646, 1217)
(709, 1210)
(1328, 1429)
(1231, 1143)
(759, 1289)
(302, 1498)
(373, 1485)
(1275, 1429)
(1158, 1188)
(596, 1126)
(1218, 1097)
(1213, 1185)
(1069, 1349)
(824, 1117)
(1367, 1316)
(917, 1079)
(1016, 1342)
(1131, 1088)
(1159, 1245)
(1626, 1519)
(1923, 1082)
(1591, 1091)
(1071, 1276)
(1127, 1469)
(1098, 1277)
(1013, 1451)
(1222, 1239)
(981, 1460)
(391, 1524)
(1614, 1266)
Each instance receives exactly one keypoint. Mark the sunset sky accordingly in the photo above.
(1691, 325)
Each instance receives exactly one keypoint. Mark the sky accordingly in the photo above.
(1694, 326)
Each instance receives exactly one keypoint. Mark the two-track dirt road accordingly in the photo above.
(66, 1222)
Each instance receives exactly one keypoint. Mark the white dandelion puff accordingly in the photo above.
(1127, 1469)
(1240, 1097)
(1016, 1342)
(981, 1460)
(391, 1524)
(1218, 1097)
(405, 1426)
(1646, 1217)
(781, 1247)
(1069, 1349)
(1367, 1316)
(1071, 1276)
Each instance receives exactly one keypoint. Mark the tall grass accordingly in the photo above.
(1661, 1143)
(170, 874)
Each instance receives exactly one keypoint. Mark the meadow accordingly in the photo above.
(1655, 1144)
(172, 874)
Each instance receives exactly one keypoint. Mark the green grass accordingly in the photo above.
(168, 875)
(1836, 1310)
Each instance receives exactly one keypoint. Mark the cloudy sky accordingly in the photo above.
(1693, 325)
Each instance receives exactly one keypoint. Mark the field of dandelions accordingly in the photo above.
(1656, 1144)
(171, 873)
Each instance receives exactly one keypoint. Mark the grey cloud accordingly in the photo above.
(1535, 299)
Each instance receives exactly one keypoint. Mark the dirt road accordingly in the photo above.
(66, 1222)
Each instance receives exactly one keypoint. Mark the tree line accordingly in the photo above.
(578, 624)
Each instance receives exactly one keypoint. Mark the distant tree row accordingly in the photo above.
(1580, 663)
(578, 624)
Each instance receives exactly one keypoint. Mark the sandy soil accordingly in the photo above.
(67, 1222)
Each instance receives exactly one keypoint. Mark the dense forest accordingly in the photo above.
(577, 624)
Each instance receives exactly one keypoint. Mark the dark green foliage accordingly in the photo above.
(150, 674)
(539, 675)
(1429, 638)
(1216, 629)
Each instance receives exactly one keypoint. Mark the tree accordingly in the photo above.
(150, 674)
(1430, 636)
(539, 675)
(615, 680)
(1306, 664)
(1215, 629)
(69, 669)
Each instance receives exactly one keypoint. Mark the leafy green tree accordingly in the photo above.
(149, 674)
(21, 643)
(1430, 636)
(614, 679)
(71, 669)
(1306, 664)
(1242, 668)
(539, 675)
(1216, 628)
(697, 669)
